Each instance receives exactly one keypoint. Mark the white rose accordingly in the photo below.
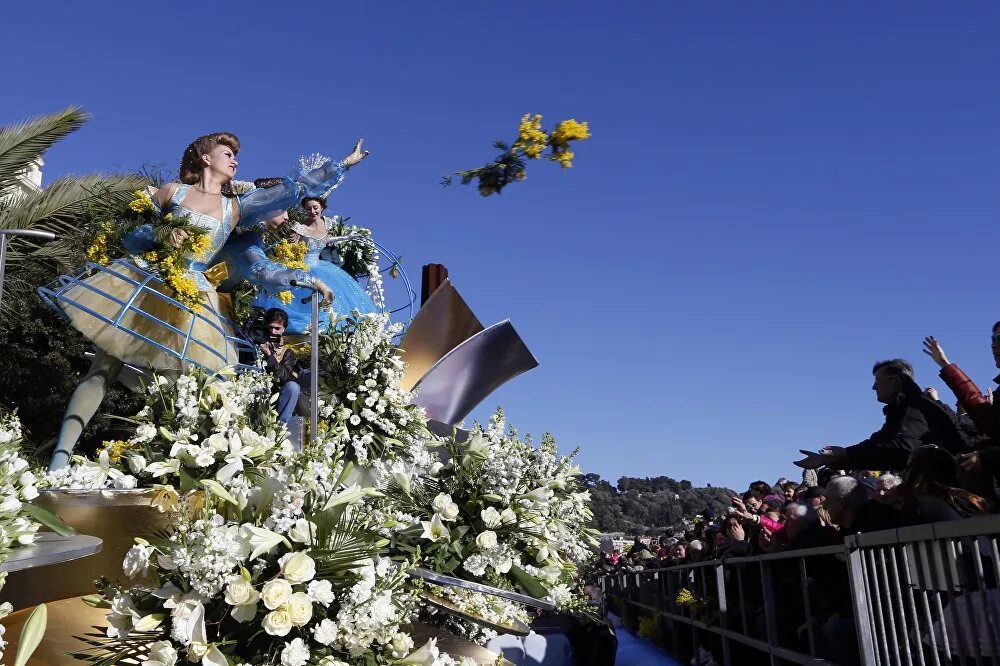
(300, 609)
(277, 622)
(450, 511)
(302, 531)
(487, 540)
(508, 516)
(136, 561)
(240, 592)
(136, 463)
(440, 502)
(161, 653)
(126, 482)
(299, 568)
(491, 517)
(275, 593)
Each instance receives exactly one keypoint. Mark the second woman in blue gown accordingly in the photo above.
(348, 294)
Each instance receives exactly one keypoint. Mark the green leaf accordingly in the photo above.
(529, 583)
(47, 518)
(95, 601)
(31, 635)
(217, 489)
(187, 481)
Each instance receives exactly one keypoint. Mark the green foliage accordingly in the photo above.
(44, 361)
(650, 505)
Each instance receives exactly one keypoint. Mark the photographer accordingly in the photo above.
(279, 361)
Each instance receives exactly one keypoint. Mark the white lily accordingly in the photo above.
(425, 656)
(238, 453)
(435, 529)
(261, 540)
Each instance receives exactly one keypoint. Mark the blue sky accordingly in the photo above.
(774, 197)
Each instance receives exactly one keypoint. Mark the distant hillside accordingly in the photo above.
(650, 505)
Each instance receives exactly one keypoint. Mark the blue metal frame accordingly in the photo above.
(54, 295)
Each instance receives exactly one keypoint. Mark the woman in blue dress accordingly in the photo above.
(348, 294)
(127, 312)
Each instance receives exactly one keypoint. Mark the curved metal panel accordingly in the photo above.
(442, 323)
(473, 370)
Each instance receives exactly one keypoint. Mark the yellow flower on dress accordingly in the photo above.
(285, 297)
(141, 203)
(290, 255)
(684, 597)
(200, 244)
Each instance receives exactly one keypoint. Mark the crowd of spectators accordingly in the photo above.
(927, 463)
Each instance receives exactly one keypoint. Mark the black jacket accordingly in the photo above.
(912, 421)
(282, 366)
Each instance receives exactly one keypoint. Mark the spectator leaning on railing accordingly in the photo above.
(912, 419)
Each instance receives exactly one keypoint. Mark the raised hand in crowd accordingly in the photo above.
(933, 349)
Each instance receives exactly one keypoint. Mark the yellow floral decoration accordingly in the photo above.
(290, 255)
(141, 203)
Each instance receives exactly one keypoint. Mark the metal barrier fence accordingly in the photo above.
(917, 596)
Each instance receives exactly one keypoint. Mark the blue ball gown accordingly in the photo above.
(348, 294)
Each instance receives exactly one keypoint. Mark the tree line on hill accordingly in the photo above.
(651, 505)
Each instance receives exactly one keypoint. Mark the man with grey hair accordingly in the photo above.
(853, 511)
(912, 420)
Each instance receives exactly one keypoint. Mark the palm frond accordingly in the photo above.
(62, 207)
(22, 142)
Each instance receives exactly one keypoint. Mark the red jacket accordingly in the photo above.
(970, 397)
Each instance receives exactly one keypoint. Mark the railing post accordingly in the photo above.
(862, 618)
(720, 584)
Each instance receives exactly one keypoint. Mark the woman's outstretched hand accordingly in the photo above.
(357, 154)
(933, 349)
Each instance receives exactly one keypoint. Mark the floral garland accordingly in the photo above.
(531, 143)
(107, 242)
(216, 433)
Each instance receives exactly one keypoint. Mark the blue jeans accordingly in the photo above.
(288, 397)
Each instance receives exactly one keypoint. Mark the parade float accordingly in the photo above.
(377, 529)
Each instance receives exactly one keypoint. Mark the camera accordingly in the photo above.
(255, 327)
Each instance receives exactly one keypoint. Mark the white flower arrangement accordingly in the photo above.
(17, 488)
(233, 591)
(501, 511)
(363, 406)
(220, 433)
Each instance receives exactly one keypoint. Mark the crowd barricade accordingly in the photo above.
(918, 596)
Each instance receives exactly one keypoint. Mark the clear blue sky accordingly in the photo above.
(775, 195)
